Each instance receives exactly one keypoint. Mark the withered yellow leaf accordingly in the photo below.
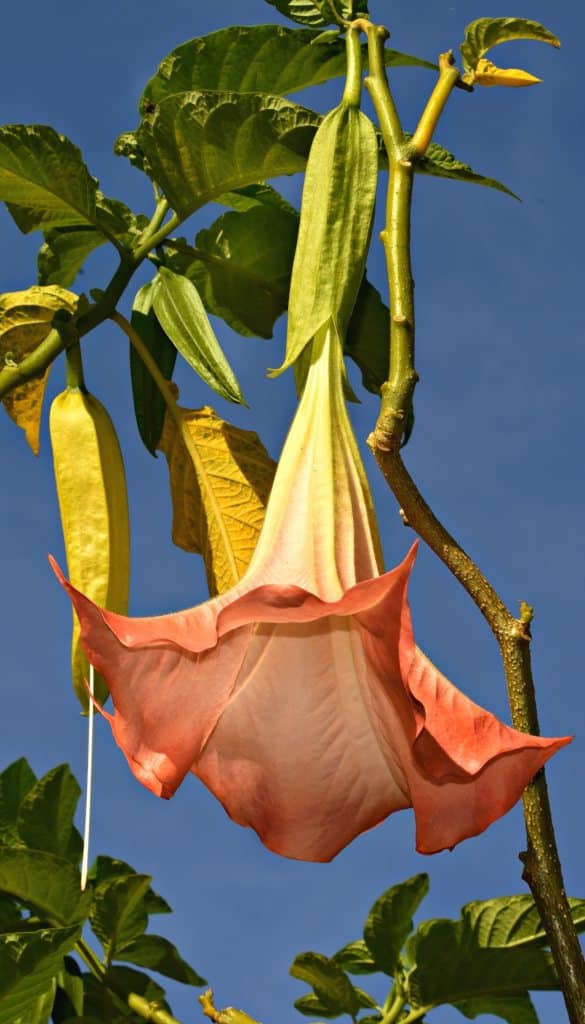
(218, 498)
(487, 73)
(25, 321)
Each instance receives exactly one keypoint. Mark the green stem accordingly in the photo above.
(156, 220)
(352, 93)
(377, 85)
(414, 1015)
(542, 869)
(448, 79)
(151, 1012)
(158, 236)
(74, 368)
(399, 388)
(392, 1014)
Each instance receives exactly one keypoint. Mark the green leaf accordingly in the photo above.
(331, 985)
(70, 992)
(51, 884)
(483, 34)
(389, 922)
(149, 405)
(118, 913)
(10, 914)
(200, 144)
(335, 225)
(64, 252)
(355, 958)
(158, 954)
(247, 290)
(251, 196)
(368, 337)
(127, 145)
(242, 267)
(45, 817)
(125, 980)
(439, 163)
(44, 175)
(514, 1009)
(512, 921)
(320, 12)
(29, 962)
(105, 868)
(15, 782)
(38, 1011)
(253, 58)
(182, 316)
(312, 1006)
(451, 967)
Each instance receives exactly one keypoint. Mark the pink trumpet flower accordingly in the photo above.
(299, 697)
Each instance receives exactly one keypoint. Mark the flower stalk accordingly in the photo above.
(542, 869)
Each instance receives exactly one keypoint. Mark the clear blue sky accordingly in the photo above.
(498, 451)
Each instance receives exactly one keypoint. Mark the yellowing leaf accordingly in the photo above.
(25, 321)
(219, 495)
(487, 73)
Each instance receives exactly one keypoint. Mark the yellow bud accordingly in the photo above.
(487, 73)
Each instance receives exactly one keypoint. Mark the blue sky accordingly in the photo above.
(497, 450)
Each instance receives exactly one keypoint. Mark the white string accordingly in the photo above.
(88, 783)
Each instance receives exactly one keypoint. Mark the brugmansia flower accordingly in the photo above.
(299, 697)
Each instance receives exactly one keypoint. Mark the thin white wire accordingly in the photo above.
(88, 783)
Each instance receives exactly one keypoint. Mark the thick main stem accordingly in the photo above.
(542, 869)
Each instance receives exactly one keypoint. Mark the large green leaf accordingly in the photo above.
(200, 144)
(512, 921)
(255, 58)
(330, 983)
(106, 868)
(483, 34)
(451, 967)
(389, 922)
(158, 954)
(182, 316)
(514, 1009)
(335, 225)
(44, 175)
(51, 884)
(29, 962)
(15, 782)
(320, 12)
(118, 914)
(149, 405)
(45, 817)
(241, 266)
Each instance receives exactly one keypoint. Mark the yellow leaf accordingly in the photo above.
(25, 321)
(487, 73)
(220, 496)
